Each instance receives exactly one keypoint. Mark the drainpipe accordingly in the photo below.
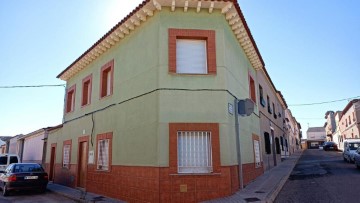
(237, 136)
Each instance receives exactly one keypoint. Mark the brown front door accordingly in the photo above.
(52, 163)
(82, 164)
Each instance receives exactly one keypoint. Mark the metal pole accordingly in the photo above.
(237, 136)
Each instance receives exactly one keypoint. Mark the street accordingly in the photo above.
(30, 197)
(321, 176)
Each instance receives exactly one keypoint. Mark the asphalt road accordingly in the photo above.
(321, 176)
(34, 197)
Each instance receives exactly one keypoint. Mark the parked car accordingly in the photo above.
(330, 146)
(7, 159)
(321, 146)
(350, 147)
(357, 158)
(23, 176)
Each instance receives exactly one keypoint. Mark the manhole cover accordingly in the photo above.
(252, 199)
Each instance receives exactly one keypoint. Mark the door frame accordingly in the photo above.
(80, 140)
(52, 159)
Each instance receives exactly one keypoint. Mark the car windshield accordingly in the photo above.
(28, 168)
(354, 146)
(3, 160)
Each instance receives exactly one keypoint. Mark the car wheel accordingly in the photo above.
(344, 159)
(5, 191)
(357, 166)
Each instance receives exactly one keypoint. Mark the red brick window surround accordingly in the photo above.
(177, 35)
(107, 79)
(180, 135)
(252, 90)
(86, 90)
(104, 151)
(70, 99)
(66, 158)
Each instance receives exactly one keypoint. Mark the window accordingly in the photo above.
(106, 80)
(104, 143)
(277, 145)
(268, 104)
(192, 51)
(70, 99)
(262, 101)
(66, 153)
(353, 116)
(13, 159)
(282, 143)
(194, 148)
(86, 90)
(346, 122)
(191, 56)
(349, 120)
(267, 143)
(252, 89)
(274, 110)
(194, 152)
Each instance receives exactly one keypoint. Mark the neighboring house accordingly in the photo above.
(293, 131)
(285, 136)
(349, 121)
(2, 145)
(271, 121)
(315, 137)
(337, 136)
(330, 125)
(34, 145)
(150, 109)
(15, 146)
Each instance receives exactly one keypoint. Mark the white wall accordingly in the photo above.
(33, 148)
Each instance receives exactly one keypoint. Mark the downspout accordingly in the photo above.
(237, 136)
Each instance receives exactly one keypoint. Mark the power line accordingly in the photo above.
(30, 86)
(325, 102)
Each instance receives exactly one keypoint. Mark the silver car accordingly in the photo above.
(357, 158)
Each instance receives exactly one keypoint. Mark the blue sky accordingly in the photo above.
(310, 48)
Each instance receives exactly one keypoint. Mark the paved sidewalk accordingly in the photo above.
(266, 187)
(78, 195)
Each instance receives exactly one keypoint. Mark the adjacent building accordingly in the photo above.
(330, 125)
(349, 124)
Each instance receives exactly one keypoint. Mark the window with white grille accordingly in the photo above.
(103, 155)
(191, 57)
(66, 156)
(194, 152)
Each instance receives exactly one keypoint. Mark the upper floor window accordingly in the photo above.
(275, 116)
(70, 99)
(354, 116)
(268, 104)
(262, 100)
(349, 120)
(252, 89)
(86, 90)
(107, 79)
(192, 51)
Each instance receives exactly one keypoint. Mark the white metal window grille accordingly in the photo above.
(257, 153)
(194, 152)
(66, 156)
(103, 155)
(191, 57)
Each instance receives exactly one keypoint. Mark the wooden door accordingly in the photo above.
(52, 164)
(82, 165)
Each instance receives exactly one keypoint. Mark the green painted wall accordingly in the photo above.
(140, 126)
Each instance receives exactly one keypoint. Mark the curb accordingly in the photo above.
(67, 196)
(272, 195)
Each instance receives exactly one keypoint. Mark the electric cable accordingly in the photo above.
(325, 102)
(31, 86)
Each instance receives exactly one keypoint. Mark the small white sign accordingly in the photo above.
(230, 109)
(257, 153)
(91, 157)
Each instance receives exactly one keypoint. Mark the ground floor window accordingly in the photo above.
(194, 152)
(103, 158)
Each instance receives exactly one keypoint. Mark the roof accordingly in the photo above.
(316, 129)
(47, 129)
(229, 8)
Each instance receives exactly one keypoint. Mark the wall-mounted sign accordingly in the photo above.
(91, 157)
(230, 109)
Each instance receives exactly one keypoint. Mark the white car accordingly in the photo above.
(350, 147)
(7, 159)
